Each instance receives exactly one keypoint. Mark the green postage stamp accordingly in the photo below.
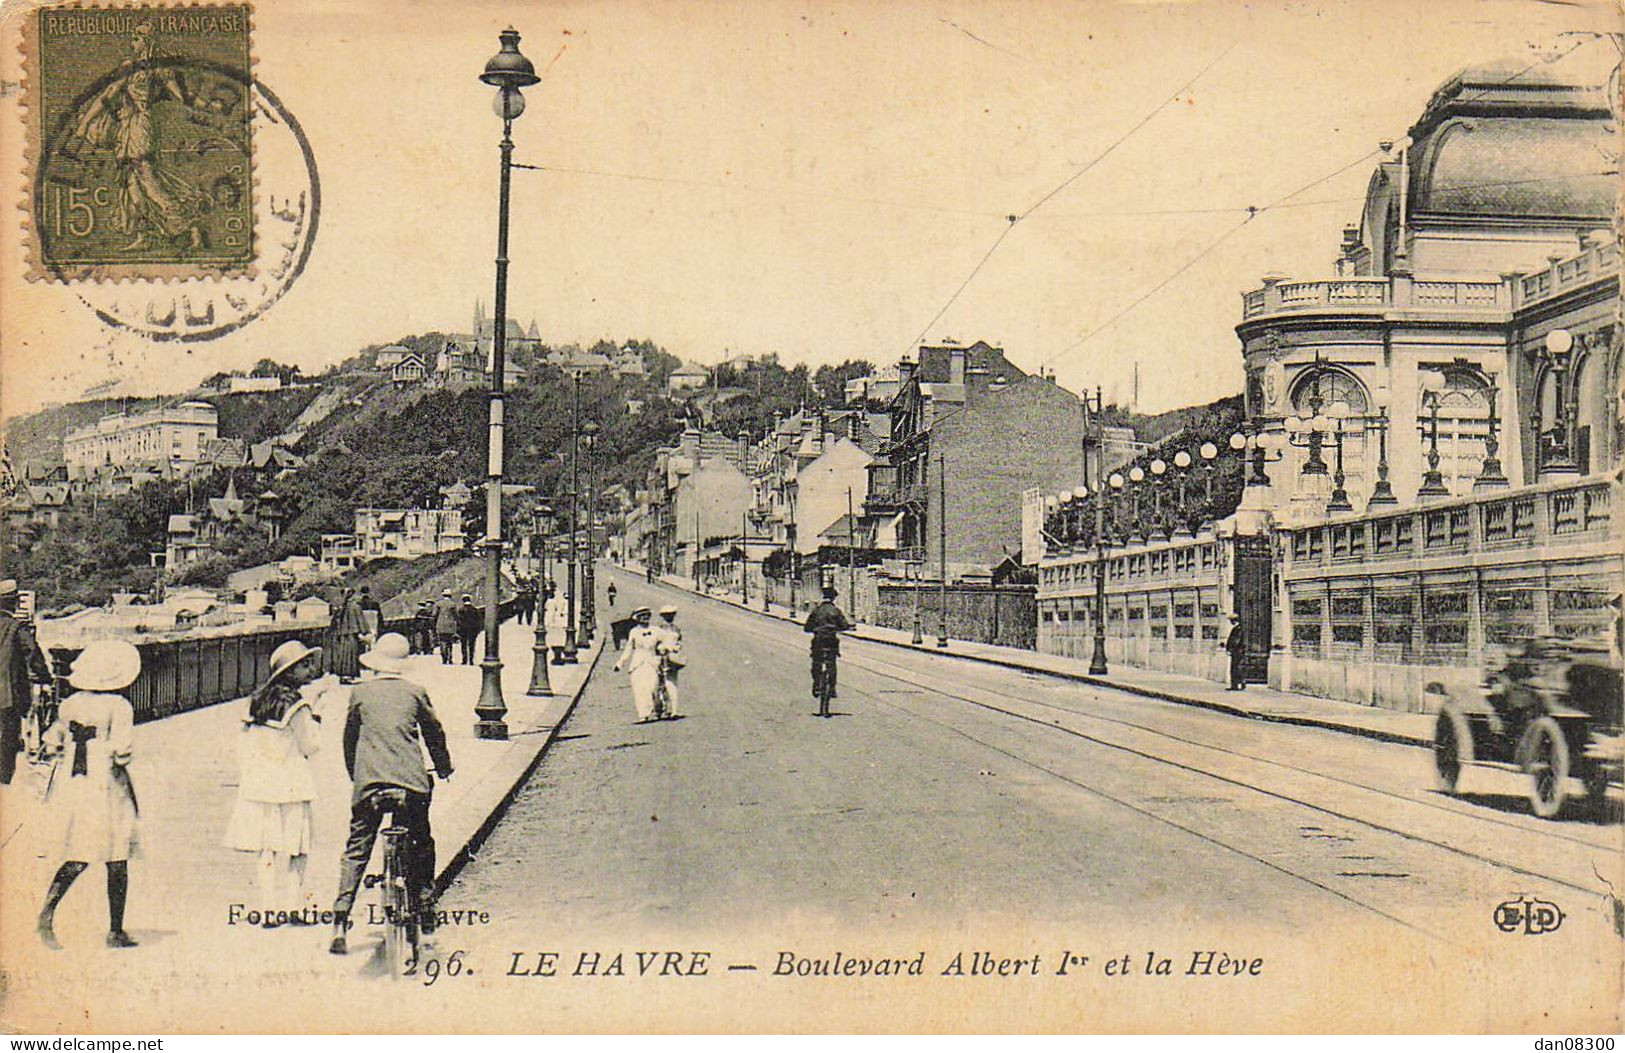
(140, 158)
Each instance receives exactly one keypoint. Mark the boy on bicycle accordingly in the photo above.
(826, 623)
(389, 724)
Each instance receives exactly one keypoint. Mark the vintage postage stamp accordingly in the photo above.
(140, 147)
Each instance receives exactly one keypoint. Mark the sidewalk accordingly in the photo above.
(185, 772)
(1257, 702)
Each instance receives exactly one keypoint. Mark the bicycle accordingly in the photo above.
(662, 695)
(398, 892)
(824, 679)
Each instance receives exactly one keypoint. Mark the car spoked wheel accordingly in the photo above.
(1452, 749)
(1546, 754)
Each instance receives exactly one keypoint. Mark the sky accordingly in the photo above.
(824, 181)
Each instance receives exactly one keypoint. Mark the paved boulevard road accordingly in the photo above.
(960, 806)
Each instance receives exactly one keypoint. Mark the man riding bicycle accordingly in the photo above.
(389, 723)
(826, 623)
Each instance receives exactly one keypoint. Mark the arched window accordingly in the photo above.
(1359, 457)
(1464, 411)
(1592, 418)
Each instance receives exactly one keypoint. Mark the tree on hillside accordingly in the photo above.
(831, 380)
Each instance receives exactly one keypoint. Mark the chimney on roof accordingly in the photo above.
(905, 370)
(956, 365)
(852, 423)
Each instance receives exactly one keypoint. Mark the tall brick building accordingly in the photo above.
(995, 431)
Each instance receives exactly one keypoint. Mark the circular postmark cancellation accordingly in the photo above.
(170, 190)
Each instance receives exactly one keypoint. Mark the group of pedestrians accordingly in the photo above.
(92, 809)
(448, 626)
(652, 659)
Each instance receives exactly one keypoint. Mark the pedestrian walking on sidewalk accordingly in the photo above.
(1236, 645)
(22, 665)
(445, 625)
(423, 628)
(610, 592)
(90, 798)
(273, 817)
(469, 620)
(390, 723)
(670, 648)
(641, 660)
(556, 619)
(349, 624)
(372, 612)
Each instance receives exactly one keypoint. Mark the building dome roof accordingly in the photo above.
(1523, 136)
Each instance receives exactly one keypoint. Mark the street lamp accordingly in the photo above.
(1159, 522)
(1433, 481)
(541, 682)
(508, 71)
(1182, 523)
(1116, 483)
(589, 598)
(1338, 412)
(1490, 474)
(1556, 351)
(918, 568)
(570, 614)
(942, 535)
(1382, 493)
(1136, 476)
(1210, 455)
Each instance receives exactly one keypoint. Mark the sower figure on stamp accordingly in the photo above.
(1236, 645)
(390, 723)
(90, 799)
(151, 197)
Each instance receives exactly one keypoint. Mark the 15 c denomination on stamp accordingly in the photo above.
(140, 146)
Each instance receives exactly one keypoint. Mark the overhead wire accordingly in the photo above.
(1254, 213)
(1015, 218)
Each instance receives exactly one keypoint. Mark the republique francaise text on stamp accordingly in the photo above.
(139, 142)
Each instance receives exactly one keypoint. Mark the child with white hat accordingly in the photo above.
(90, 795)
(273, 816)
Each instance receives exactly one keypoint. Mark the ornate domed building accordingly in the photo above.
(1487, 230)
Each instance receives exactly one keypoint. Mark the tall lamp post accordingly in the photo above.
(508, 71)
(575, 520)
(1382, 493)
(1097, 655)
(1182, 518)
(541, 682)
(1338, 412)
(1560, 460)
(917, 567)
(589, 598)
(1432, 481)
(942, 535)
(1490, 474)
(1159, 524)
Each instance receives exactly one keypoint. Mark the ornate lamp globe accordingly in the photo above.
(1116, 480)
(1159, 466)
(1183, 459)
(1238, 441)
(1136, 474)
(508, 71)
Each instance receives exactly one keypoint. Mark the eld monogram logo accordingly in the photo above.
(1534, 917)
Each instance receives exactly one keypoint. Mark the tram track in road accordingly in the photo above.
(1478, 839)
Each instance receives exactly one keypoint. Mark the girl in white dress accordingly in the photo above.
(90, 797)
(273, 815)
(641, 660)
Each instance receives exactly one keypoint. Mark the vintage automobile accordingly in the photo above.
(1551, 708)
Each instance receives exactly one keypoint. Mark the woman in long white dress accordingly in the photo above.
(90, 797)
(273, 815)
(641, 660)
